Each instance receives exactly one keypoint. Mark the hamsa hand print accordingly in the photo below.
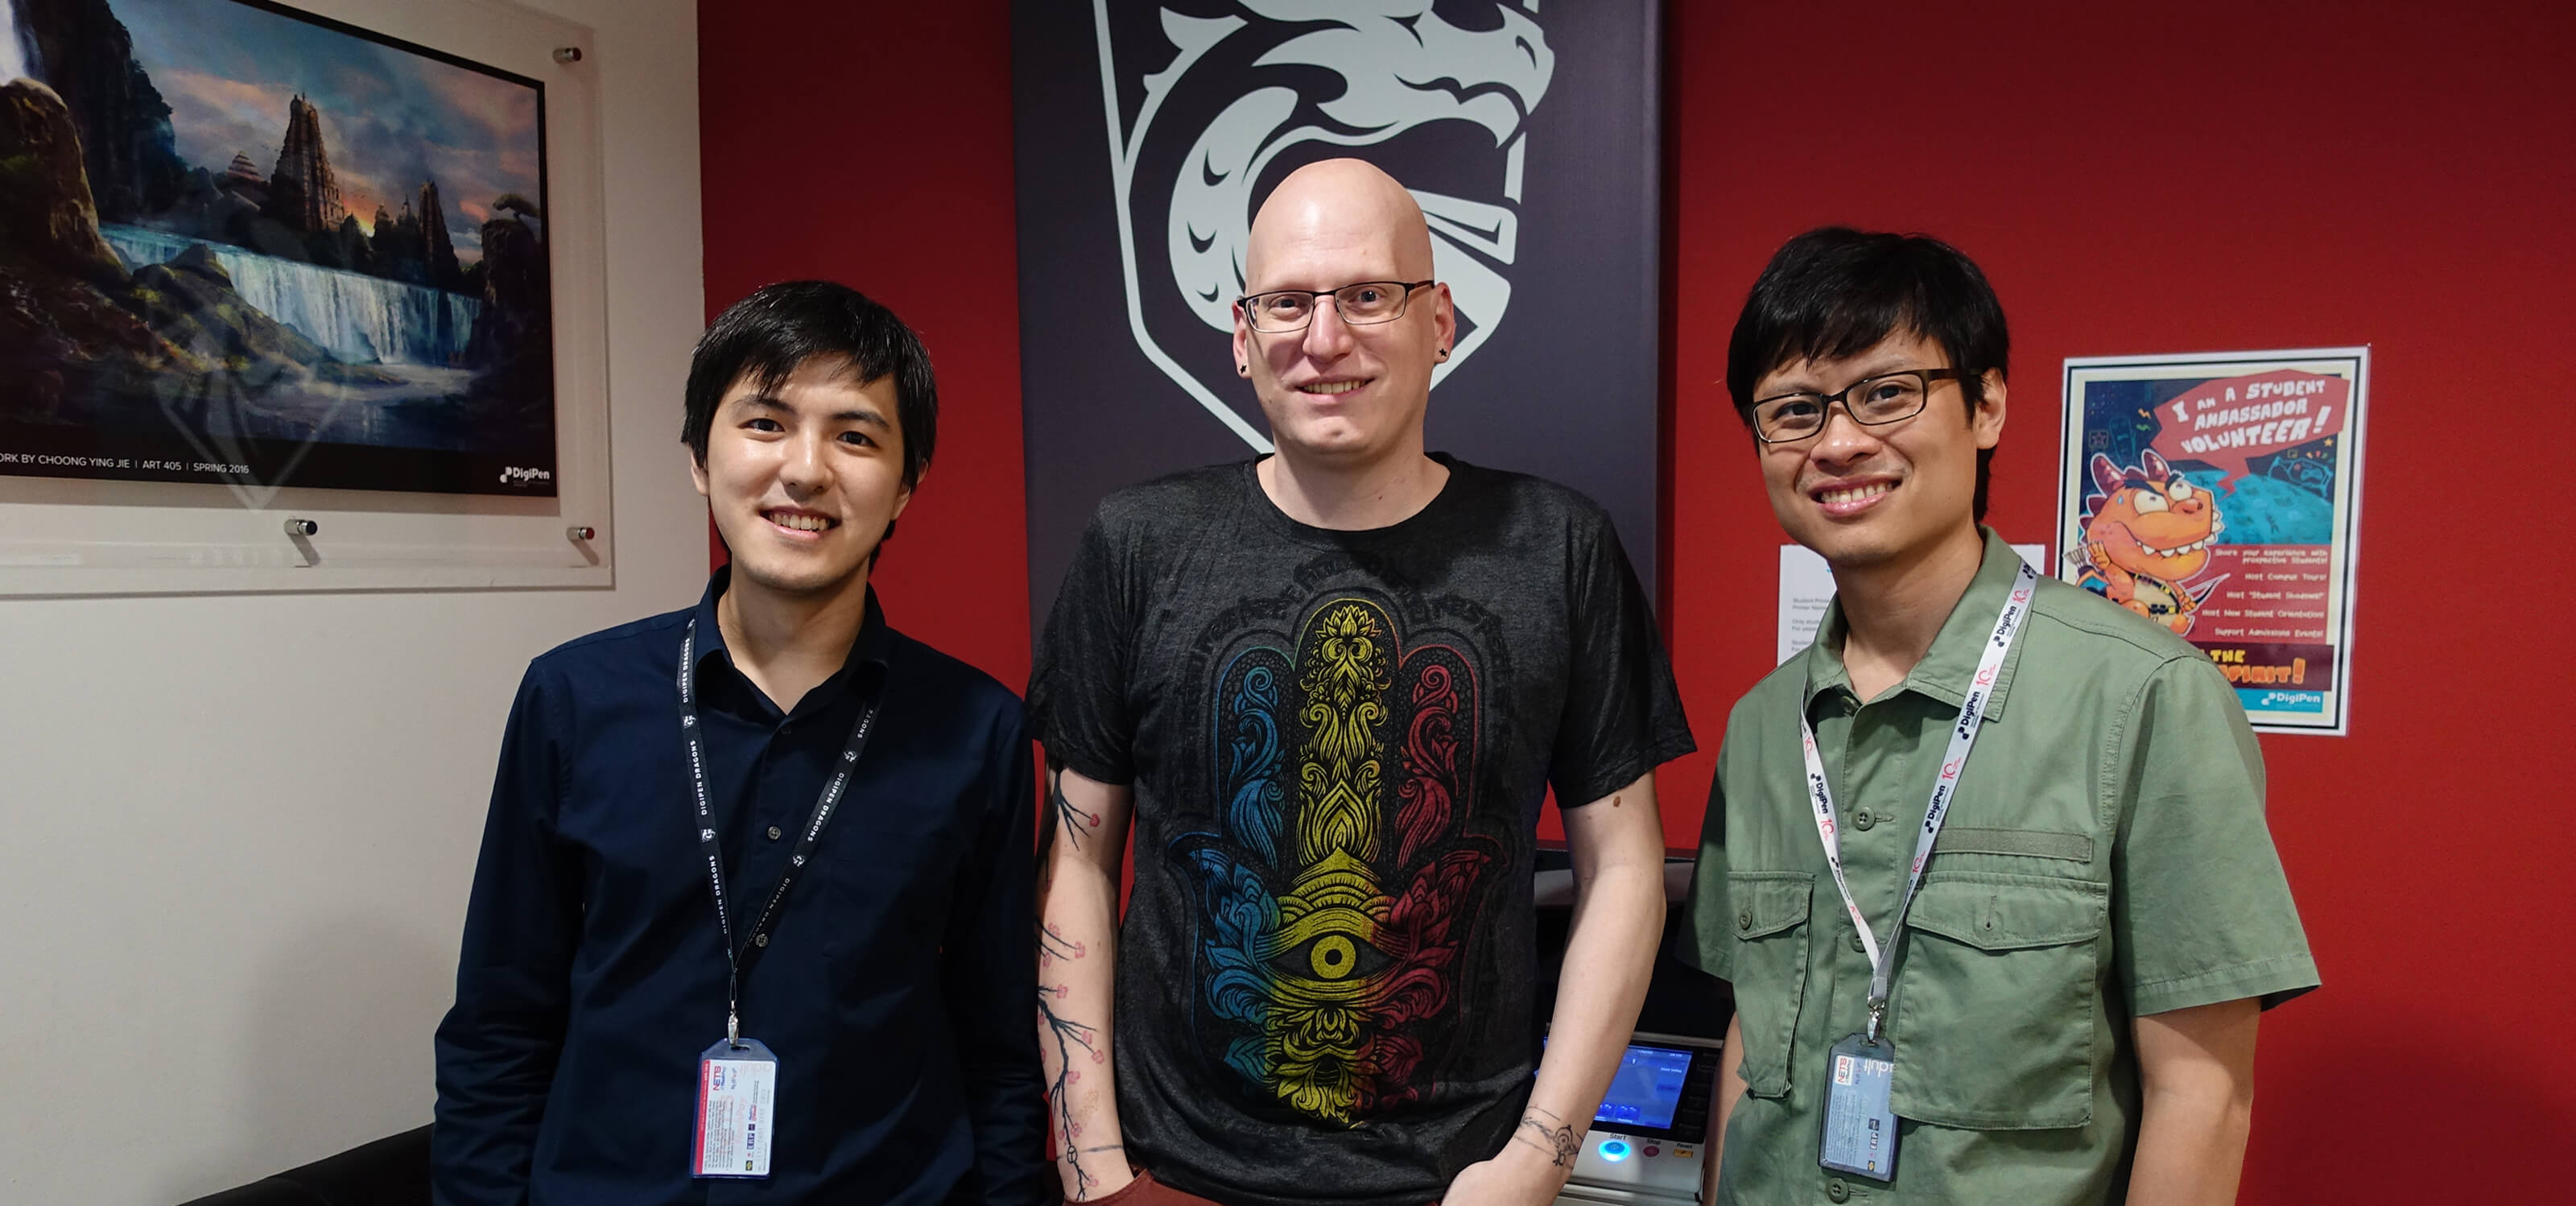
(1342, 885)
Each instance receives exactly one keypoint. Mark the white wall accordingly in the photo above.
(236, 832)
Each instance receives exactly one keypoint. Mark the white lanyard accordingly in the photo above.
(1963, 737)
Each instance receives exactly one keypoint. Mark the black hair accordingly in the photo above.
(1835, 292)
(766, 337)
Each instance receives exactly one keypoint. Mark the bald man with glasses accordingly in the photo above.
(1326, 692)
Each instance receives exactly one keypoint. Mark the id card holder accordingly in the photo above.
(737, 1103)
(1860, 1128)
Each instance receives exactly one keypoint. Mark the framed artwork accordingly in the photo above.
(298, 298)
(1147, 134)
(2219, 494)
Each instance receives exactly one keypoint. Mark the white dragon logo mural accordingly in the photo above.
(1401, 66)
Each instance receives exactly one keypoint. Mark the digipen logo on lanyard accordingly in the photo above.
(2013, 609)
(1971, 714)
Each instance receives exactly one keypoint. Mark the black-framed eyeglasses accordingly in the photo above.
(1283, 310)
(1870, 401)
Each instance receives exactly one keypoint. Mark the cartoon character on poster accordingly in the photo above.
(2147, 532)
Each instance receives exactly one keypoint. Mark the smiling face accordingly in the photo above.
(803, 477)
(1336, 391)
(1866, 496)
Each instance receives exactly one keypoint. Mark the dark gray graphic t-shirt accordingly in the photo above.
(1339, 743)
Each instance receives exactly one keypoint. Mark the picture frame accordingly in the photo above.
(2219, 494)
(398, 516)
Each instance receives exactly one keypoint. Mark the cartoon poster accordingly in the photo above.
(2219, 495)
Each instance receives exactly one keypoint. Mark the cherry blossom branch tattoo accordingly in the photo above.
(1053, 945)
(1063, 817)
(1068, 1036)
(1065, 1034)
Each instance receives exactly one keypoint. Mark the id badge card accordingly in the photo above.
(1860, 1129)
(737, 1119)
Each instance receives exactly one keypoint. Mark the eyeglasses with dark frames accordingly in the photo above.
(1871, 402)
(1280, 311)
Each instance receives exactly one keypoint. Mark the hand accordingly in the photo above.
(1530, 1170)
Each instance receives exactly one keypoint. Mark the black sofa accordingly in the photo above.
(393, 1171)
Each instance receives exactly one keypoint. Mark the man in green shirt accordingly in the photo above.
(2072, 986)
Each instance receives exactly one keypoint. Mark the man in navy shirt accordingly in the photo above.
(807, 836)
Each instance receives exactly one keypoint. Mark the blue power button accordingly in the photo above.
(1615, 1151)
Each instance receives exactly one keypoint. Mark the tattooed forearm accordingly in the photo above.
(1075, 916)
(1550, 1134)
(1067, 1036)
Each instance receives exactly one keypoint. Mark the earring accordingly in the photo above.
(1444, 353)
(1243, 370)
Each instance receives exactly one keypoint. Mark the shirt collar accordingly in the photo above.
(1946, 671)
(875, 639)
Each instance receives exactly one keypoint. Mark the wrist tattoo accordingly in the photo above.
(1542, 1130)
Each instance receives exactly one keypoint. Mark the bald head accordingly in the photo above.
(1339, 390)
(1338, 211)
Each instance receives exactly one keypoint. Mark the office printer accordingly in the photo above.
(1647, 1142)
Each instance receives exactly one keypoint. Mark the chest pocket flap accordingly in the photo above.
(2006, 916)
(1770, 968)
(1765, 906)
(1995, 1012)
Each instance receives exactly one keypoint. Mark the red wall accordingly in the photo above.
(2208, 178)
(2235, 177)
(870, 143)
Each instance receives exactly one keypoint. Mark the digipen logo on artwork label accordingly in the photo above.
(1202, 108)
(515, 476)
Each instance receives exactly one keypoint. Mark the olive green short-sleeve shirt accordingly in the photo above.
(2105, 857)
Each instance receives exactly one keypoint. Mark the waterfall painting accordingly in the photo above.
(245, 245)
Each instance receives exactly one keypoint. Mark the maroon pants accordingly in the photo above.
(1146, 1191)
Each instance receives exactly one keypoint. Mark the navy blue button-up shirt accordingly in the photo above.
(896, 988)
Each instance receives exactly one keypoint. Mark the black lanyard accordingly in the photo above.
(737, 958)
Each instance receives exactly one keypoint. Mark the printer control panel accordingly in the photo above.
(1646, 1143)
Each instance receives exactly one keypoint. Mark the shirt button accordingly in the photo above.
(1838, 1191)
(1857, 948)
(760, 940)
(775, 833)
(1744, 920)
(1863, 819)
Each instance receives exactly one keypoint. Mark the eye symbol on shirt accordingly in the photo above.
(1331, 959)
